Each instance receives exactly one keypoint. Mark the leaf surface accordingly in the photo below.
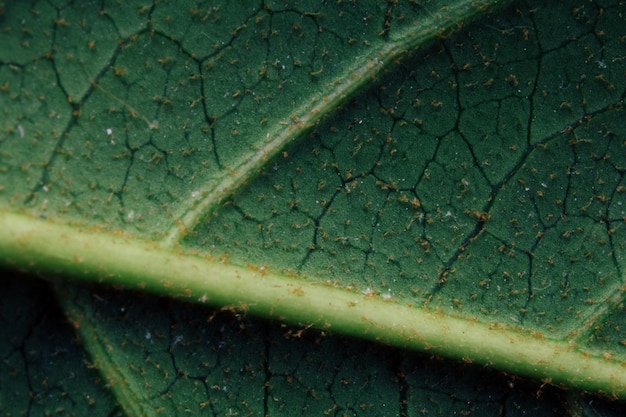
(477, 178)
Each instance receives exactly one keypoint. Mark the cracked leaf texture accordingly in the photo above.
(481, 174)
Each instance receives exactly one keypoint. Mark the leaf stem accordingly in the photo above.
(55, 249)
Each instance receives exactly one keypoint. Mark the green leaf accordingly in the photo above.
(44, 370)
(355, 168)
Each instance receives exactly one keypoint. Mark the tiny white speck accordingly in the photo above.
(109, 131)
(195, 194)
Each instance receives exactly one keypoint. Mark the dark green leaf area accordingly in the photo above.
(28, 140)
(43, 370)
(125, 116)
(190, 359)
(554, 250)
(459, 181)
(175, 357)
